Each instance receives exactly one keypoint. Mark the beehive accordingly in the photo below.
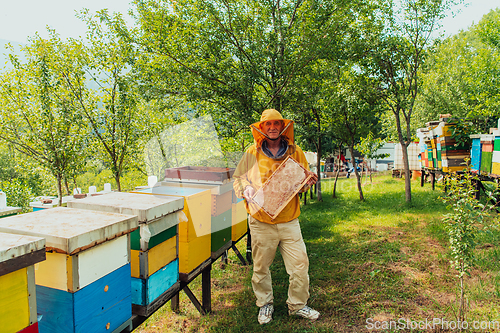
(84, 285)
(200, 174)
(495, 160)
(221, 212)
(18, 255)
(154, 251)
(38, 204)
(486, 153)
(239, 220)
(195, 233)
(475, 153)
(434, 158)
(9, 211)
(422, 133)
(453, 155)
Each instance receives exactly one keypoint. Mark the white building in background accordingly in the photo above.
(383, 164)
(395, 158)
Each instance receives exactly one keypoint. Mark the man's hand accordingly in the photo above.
(248, 193)
(313, 179)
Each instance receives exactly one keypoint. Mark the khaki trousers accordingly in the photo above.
(288, 237)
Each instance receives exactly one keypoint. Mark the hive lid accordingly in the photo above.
(215, 189)
(9, 211)
(147, 208)
(171, 190)
(487, 137)
(13, 246)
(199, 173)
(70, 230)
(19, 251)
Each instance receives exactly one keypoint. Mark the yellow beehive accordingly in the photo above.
(157, 257)
(18, 255)
(495, 168)
(239, 220)
(193, 253)
(195, 233)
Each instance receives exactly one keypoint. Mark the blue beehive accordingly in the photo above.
(154, 252)
(84, 285)
(475, 153)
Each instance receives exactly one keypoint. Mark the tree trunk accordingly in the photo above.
(66, 185)
(318, 158)
(461, 310)
(318, 170)
(59, 188)
(337, 174)
(351, 149)
(117, 179)
(406, 165)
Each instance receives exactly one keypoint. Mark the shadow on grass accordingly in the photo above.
(352, 247)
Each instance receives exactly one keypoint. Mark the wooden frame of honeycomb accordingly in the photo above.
(281, 187)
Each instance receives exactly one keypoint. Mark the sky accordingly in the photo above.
(22, 18)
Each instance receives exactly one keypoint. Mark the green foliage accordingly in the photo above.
(18, 194)
(39, 115)
(242, 57)
(488, 28)
(460, 74)
(463, 225)
(461, 132)
(369, 146)
(129, 181)
(111, 108)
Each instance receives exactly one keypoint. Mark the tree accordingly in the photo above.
(468, 217)
(111, 107)
(369, 146)
(354, 108)
(39, 116)
(458, 74)
(398, 53)
(241, 57)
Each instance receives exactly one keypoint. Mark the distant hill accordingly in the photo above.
(4, 58)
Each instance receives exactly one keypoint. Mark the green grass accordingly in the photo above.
(381, 258)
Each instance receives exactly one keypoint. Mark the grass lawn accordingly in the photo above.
(370, 262)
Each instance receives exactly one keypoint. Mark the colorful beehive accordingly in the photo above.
(221, 211)
(41, 203)
(422, 133)
(199, 174)
(453, 155)
(195, 233)
(475, 153)
(84, 285)
(239, 220)
(154, 252)
(432, 127)
(495, 160)
(9, 211)
(18, 255)
(486, 153)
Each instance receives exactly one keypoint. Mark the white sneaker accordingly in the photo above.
(305, 312)
(266, 313)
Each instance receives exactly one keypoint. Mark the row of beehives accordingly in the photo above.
(90, 266)
(438, 149)
(485, 154)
